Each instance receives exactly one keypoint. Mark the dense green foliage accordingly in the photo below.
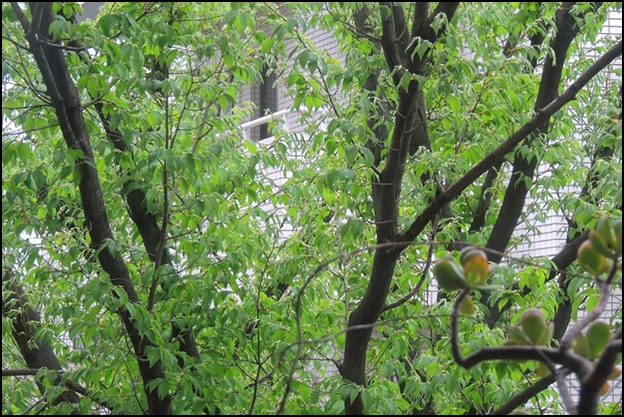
(266, 273)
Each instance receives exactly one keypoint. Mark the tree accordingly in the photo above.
(135, 216)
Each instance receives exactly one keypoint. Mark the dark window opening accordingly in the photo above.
(267, 103)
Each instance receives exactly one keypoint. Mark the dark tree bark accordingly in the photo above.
(386, 185)
(26, 321)
(145, 221)
(485, 198)
(524, 167)
(154, 237)
(563, 314)
(410, 127)
(51, 61)
(151, 233)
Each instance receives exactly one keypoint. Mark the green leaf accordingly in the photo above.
(109, 23)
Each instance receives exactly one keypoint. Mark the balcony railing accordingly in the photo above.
(279, 116)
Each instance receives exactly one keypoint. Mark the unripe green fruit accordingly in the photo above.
(532, 313)
(449, 275)
(517, 337)
(547, 335)
(617, 244)
(542, 370)
(599, 244)
(590, 259)
(598, 335)
(581, 346)
(605, 229)
(534, 325)
(467, 307)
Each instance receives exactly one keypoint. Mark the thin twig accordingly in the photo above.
(416, 289)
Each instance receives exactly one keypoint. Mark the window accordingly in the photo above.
(265, 96)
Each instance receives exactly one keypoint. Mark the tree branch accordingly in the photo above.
(22, 372)
(416, 289)
(53, 66)
(375, 142)
(591, 385)
(153, 236)
(581, 366)
(524, 167)
(455, 190)
(26, 321)
(389, 43)
(77, 388)
(400, 29)
(420, 17)
(422, 30)
(525, 395)
(566, 342)
(21, 17)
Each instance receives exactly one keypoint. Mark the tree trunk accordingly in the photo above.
(26, 322)
(50, 58)
(363, 318)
